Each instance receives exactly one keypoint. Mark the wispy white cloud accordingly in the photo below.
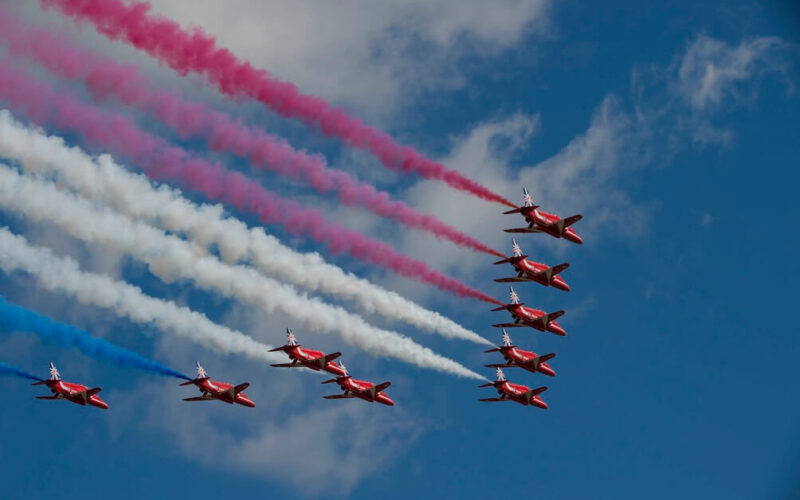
(707, 79)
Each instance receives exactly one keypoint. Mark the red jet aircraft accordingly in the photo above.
(516, 357)
(359, 389)
(76, 393)
(543, 222)
(308, 358)
(526, 316)
(533, 271)
(212, 389)
(517, 393)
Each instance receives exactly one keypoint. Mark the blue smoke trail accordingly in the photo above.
(16, 318)
(13, 370)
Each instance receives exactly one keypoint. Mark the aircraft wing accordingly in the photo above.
(515, 279)
(500, 365)
(199, 398)
(572, 220)
(330, 357)
(382, 387)
(339, 396)
(523, 230)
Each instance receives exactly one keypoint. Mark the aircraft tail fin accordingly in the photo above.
(560, 268)
(239, 388)
(382, 387)
(555, 315)
(93, 391)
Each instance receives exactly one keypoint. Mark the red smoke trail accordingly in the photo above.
(159, 160)
(194, 51)
(104, 77)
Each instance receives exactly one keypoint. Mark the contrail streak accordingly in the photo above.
(194, 51)
(107, 183)
(14, 318)
(160, 160)
(106, 78)
(171, 258)
(126, 301)
(6, 369)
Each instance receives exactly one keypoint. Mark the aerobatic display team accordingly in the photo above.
(138, 208)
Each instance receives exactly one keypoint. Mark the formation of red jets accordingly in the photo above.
(522, 316)
(234, 394)
(302, 357)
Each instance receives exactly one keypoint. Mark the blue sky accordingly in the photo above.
(677, 377)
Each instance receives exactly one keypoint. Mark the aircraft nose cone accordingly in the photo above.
(244, 401)
(560, 284)
(99, 403)
(332, 367)
(573, 236)
(554, 327)
(546, 370)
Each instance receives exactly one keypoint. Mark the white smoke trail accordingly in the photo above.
(171, 258)
(107, 183)
(63, 275)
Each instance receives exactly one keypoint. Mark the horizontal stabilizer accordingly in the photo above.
(46, 397)
(487, 384)
(509, 325)
(501, 308)
(285, 365)
(382, 387)
(559, 268)
(239, 388)
(276, 349)
(500, 365)
(496, 349)
(189, 382)
(515, 211)
(41, 382)
(338, 396)
(522, 230)
(493, 400)
(329, 381)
